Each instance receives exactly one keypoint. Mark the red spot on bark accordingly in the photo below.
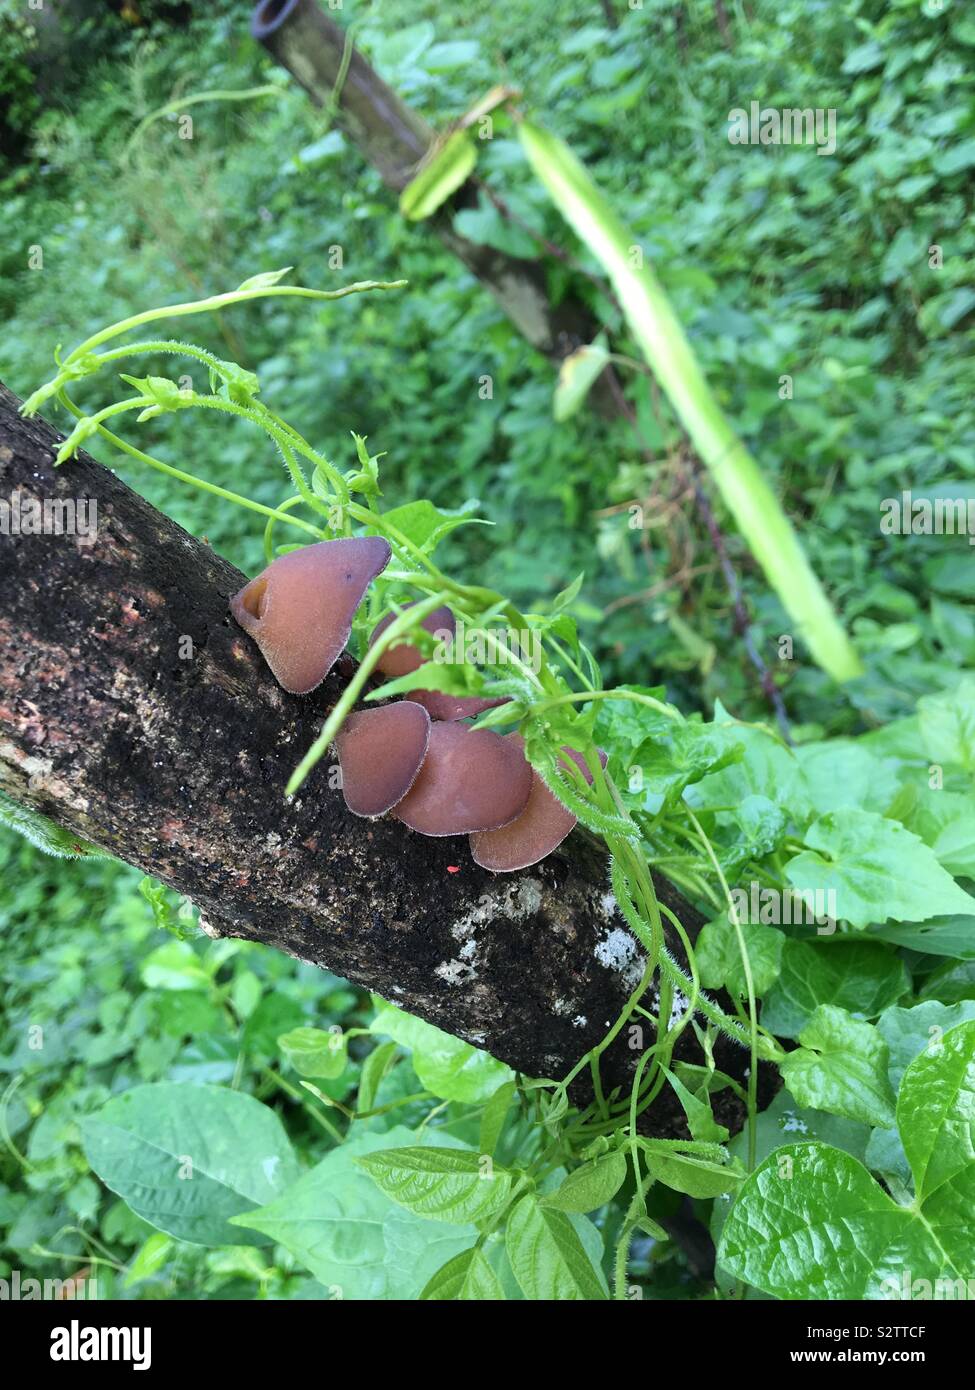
(453, 868)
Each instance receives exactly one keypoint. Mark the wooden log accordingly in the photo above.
(137, 714)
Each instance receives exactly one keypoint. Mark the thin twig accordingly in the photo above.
(742, 619)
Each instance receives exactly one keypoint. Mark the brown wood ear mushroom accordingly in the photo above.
(541, 827)
(380, 753)
(472, 779)
(404, 658)
(299, 610)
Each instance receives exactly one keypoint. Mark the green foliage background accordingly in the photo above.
(778, 262)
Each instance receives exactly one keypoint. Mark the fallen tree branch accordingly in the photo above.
(394, 138)
(135, 713)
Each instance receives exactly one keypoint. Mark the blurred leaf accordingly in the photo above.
(445, 168)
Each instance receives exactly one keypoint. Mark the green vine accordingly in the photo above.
(554, 705)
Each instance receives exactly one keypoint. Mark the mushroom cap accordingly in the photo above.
(541, 827)
(380, 753)
(404, 657)
(299, 610)
(472, 779)
(439, 705)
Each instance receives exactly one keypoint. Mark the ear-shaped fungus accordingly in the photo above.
(299, 610)
(472, 779)
(541, 827)
(439, 705)
(380, 753)
(405, 658)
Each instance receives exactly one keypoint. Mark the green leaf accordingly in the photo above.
(951, 983)
(174, 966)
(936, 1111)
(863, 977)
(947, 725)
(762, 766)
(456, 678)
(374, 1068)
(763, 825)
(45, 834)
(547, 1256)
(568, 595)
(842, 772)
(448, 164)
(265, 279)
(941, 936)
(466, 1278)
(864, 58)
(683, 754)
(340, 1224)
(698, 1177)
(700, 1119)
(426, 525)
(315, 1051)
(790, 1230)
(163, 915)
(841, 1067)
(441, 1184)
(577, 374)
(591, 1186)
(945, 822)
(189, 1158)
(148, 1259)
(495, 1114)
(909, 1032)
(719, 959)
(877, 870)
(450, 1068)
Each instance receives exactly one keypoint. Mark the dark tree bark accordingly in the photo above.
(134, 712)
(609, 14)
(393, 138)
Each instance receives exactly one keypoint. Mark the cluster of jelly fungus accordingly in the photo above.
(299, 610)
(541, 827)
(404, 658)
(442, 778)
(471, 779)
(380, 753)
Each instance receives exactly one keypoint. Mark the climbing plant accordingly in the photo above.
(830, 875)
